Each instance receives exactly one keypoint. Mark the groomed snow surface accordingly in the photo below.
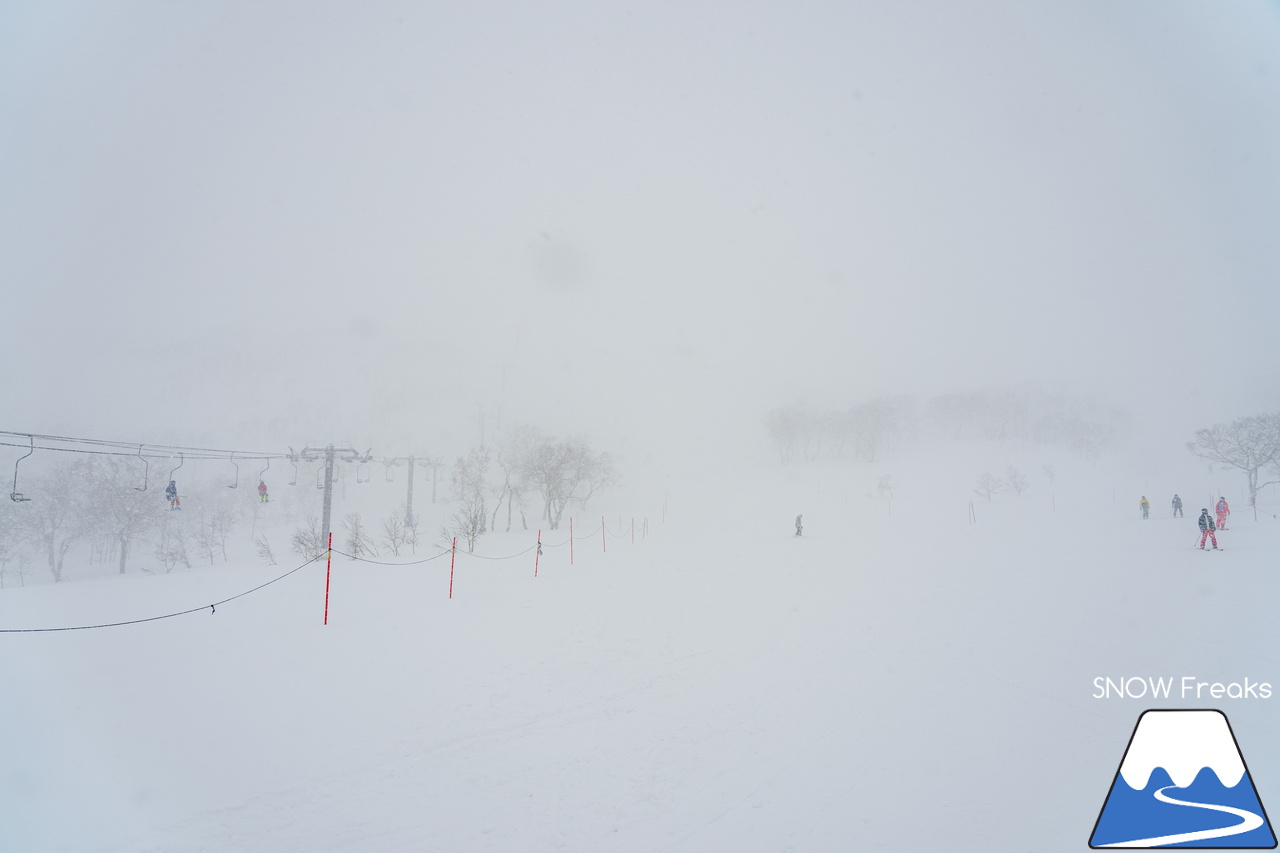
(899, 678)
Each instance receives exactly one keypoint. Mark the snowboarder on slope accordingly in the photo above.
(1146, 507)
(1177, 507)
(798, 527)
(1223, 511)
(171, 492)
(1206, 529)
(262, 492)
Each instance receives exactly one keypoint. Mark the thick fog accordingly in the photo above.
(249, 226)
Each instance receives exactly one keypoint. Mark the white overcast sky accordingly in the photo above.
(259, 224)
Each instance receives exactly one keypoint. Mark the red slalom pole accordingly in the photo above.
(452, 559)
(537, 556)
(571, 540)
(327, 569)
(604, 546)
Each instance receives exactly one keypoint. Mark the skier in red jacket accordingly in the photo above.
(1222, 511)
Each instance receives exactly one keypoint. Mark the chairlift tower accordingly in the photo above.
(331, 453)
(408, 504)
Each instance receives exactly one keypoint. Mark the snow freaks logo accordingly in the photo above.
(1183, 783)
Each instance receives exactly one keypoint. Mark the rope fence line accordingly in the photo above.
(212, 608)
(443, 553)
(577, 537)
(508, 557)
(327, 554)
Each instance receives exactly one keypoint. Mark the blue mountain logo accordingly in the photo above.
(1183, 783)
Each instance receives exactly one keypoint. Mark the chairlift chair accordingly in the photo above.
(15, 495)
(146, 472)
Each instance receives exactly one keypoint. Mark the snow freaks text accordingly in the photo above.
(1186, 687)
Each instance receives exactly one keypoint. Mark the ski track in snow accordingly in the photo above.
(1248, 821)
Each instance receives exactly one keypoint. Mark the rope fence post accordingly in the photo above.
(633, 531)
(327, 569)
(453, 558)
(571, 540)
(537, 555)
(604, 546)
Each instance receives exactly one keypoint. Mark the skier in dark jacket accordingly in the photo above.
(798, 527)
(171, 492)
(1207, 529)
(1177, 507)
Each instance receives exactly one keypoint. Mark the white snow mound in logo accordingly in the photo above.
(1182, 743)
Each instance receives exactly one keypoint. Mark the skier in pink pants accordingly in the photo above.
(1207, 529)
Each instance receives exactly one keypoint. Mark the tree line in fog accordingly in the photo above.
(864, 430)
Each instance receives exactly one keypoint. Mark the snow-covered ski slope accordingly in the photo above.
(897, 679)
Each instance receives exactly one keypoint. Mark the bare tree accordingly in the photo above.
(513, 463)
(222, 522)
(264, 549)
(393, 532)
(309, 541)
(988, 485)
(171, 546)
(1016, 480)
(17, 564)
(358, 542)
(116, 506)
(1048, 472)
(567, 471)
(411, 536)
(885, 486)
(469, 484)
(12, 536)
(1250, 444)
(877, 423)
(468, 521)
(54, 518)
(784, 428)
(206, 539)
